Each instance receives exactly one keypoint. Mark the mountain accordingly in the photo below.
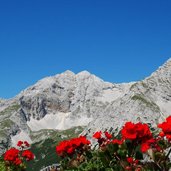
(70, 100)
(148, 101)
(67, 100)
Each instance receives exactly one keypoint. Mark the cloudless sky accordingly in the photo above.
(117, 40)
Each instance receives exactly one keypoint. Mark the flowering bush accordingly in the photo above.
(135, 148)
(15, 158)
(73, 149)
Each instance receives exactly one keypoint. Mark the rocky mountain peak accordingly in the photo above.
(66, 73)
(169, 60)
(164, 70)
(83, 74)
(83, 99)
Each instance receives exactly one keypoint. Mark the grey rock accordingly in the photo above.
(108, 105)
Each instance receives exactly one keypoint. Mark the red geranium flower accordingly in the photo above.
(143, 131)
(26, 144)
(136, 131)
(11, 155)
(166, 128)
(97, 135)
(20, 143)
(116, 141)
(129, 131)
(130, 160)
(17, 161)
(61, 148)
(69, 146)
(161, 134)
(145, 147)
(70, 150)
(140, 133)
(108, 136)
(28, 155)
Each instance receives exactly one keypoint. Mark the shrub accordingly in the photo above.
(135, 148)
(14, 159)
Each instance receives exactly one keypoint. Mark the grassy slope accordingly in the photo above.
(45, 150)
(5, 122)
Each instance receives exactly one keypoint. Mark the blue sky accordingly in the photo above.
(119, 41)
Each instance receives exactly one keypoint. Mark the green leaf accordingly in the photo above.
(138, 153)
(122, 153)
(112, 148)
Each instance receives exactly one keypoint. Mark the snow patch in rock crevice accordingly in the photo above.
(165, 107)
(60, 121)
(110, 95)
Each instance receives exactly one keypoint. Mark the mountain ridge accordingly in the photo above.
(83, 99)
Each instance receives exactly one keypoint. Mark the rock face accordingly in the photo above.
(66, 100)
(80, 97)
(80, 94)
(148, 101)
